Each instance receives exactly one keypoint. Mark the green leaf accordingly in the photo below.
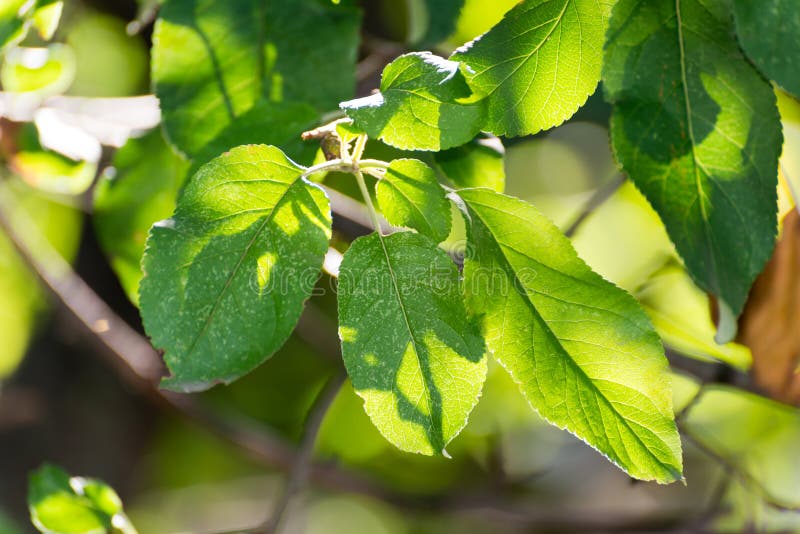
(411, 351)
(12, 23)
(226, 278)
(48, 170)
(423, 105)
(582, 350)
(46, 17)
(62, 505)
(44, 71)
(16, 16)
(477, 164)
(682, 317)
(141, 189)
(538, 65)
(697, 129)
(214, 61)
(769, 32)
(409, 195)
(432, 21)
(265, 123)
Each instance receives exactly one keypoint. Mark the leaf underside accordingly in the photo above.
(538, 65)
(409, 195)
(582, 350)
(411, 351)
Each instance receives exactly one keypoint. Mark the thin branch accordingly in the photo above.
(140, 365)
(298, 475)
(603, 193)
(745, 478)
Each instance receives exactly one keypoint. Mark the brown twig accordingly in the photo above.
(302, 462)
(605, 192)
(745, 478)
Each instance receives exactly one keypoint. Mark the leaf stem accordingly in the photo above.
(358, 150)
(373, 164)
(332, 165)
(373, 215)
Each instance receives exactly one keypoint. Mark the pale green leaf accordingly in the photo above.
(582, 350)
(479, 163)
(409, 195)
(538, 65)
(140, 189)
(697, 130)
(225, 279)
(46, 17)
(769, 32)
(13, 26)
(757, 435)
(682, 317)
(411, 351)
(44, 71)
(60, 504)
(423, 104)
(214, 61)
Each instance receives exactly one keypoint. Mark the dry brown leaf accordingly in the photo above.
(770, 324)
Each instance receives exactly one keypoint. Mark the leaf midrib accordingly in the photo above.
(402, 306)
(710, 256)
(554, 337)
(556, 23)
(239, 263)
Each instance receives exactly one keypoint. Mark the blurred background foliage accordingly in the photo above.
(60, 403)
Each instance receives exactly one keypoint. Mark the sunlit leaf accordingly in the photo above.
(422, 105)
(226, 277)
(538, 65)
(582, 350)
(60, 504)
(411, 351)
(409, 195)
(44, 71)
(696, 128)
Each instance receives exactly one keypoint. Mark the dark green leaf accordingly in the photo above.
(538, 65)
(62, 505)
(582, 350)
(423, 105)
(477, 164)
(696, 128)
(437, 20)
(412, 353)
(140, 190)
(769, 31)
(214, 61)
(226, 277)
(409, 195)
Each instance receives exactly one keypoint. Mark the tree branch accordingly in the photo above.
(599, 197)
(302, 462)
